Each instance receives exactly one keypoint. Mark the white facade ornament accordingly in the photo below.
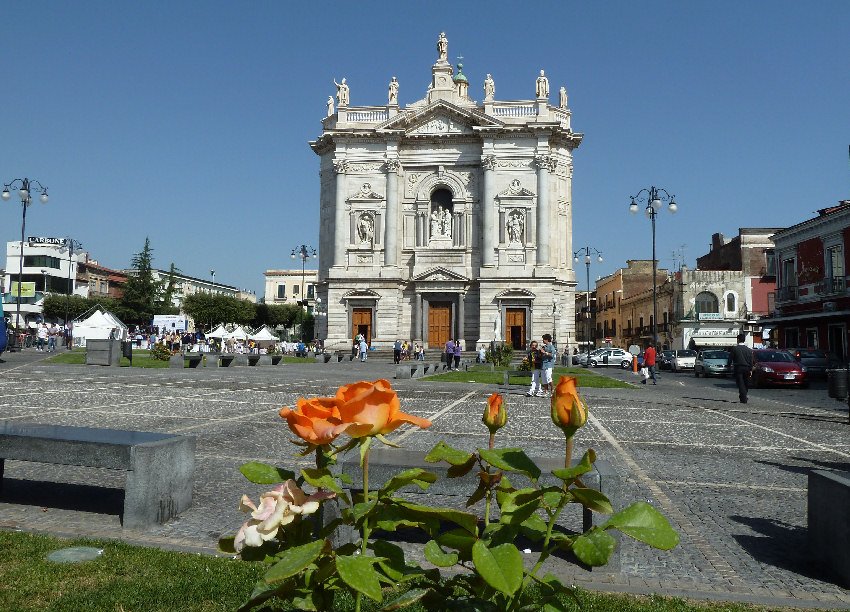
(365, 228)
(330, 106)
(443, 47)
(515, 226)
(340, 166)
(489, 88)
(562, 97)
(393, 165)
(342, 92)
(366, 193)
(542, 86)
(488, 162)
(441, 223)
(364, 167)
(392, 94)
(440, 124)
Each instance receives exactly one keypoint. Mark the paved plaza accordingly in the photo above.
(731, 478)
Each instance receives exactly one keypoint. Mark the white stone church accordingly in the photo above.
(447, 218)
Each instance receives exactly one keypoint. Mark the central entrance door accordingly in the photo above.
(439, 323)
(515, 328)
(361, 323)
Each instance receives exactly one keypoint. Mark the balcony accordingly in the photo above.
(831, 286)
(786, 294)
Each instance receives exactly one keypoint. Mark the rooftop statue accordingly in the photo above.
(542, 86)
(443, 47)
(342, 92)
(489, 88)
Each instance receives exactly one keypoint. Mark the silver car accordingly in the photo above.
(684, 360)
(712, 362)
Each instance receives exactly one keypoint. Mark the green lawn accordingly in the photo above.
(586, 378)
(141, 359)
(140, 579)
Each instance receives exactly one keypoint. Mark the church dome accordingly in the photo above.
(460, 77)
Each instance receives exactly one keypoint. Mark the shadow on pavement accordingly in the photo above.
(805, 469)
(63, 496)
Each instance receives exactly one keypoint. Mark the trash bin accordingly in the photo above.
(837, 388)
(127, 350)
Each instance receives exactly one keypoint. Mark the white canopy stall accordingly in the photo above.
(218, 332)
(264, 337)
(98, 325)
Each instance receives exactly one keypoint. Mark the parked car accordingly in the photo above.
(684, 360)
(611, 357)
(583, 357)
(665, 360)
(777, 367)
(817, 362)
(712, 362)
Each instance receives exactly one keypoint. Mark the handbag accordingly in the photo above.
(644, 372)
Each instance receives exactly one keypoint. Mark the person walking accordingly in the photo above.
(397, 351)
(364, 349)
(450, 353)
(649, 357)
(741, 360)
(535, 360)
(457, 352)
(548, 355)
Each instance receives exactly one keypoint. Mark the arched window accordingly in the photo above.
(706, 302)
(730, 302)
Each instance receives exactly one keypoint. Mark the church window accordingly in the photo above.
(706, 302)
(730, 302)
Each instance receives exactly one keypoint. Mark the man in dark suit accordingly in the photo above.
(741, 359)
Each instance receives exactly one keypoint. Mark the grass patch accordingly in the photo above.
(586, 378)
(77, 356)
(141, 579)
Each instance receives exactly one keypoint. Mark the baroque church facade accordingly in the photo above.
(446, 218)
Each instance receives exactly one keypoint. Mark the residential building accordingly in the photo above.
(812, 304)
(625, 315)
(291, 287)
(185, 285)
(585, 320)
(95, 280)
(447, 218)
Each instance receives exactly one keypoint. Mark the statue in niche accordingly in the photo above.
(392, 94)
(441, 223)
(443, 47)
(365, 228)
(514, 226)
(342, 92)
(489, 88)
(542, 86)
(330, 106)
(447, 223)
(562, 97)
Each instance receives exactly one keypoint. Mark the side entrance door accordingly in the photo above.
(515, 328)
(361, 323)
(439, 324)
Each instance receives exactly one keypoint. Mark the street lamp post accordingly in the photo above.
(70, 244)
(24, 187)
(212, 273)
(653, 197)
(587, 251)
(304, 252)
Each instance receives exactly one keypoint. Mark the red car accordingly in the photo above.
(772, 367)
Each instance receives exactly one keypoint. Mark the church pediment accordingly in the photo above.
(438, 119)
(361, 294)
(440, 274)
(515, 293)
(516, 190)
(366, 193)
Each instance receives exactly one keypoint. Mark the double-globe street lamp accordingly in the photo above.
(71, 245)
(24, 187)
(304, 252)
(653, 197)
(586, 251)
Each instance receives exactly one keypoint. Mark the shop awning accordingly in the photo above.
(714, 341)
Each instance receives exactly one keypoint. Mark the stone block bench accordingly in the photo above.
(252, 359)
(506, 378)
(190, 360)
(829, 522)
(384, 463)
(410, 370)
(160, 467)
(221, 360)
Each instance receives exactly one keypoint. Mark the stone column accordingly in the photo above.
(341, 237)
(543, 229)
(391, 222)
(460, 315)
(417, 316)
(488, 217)
(425, 315)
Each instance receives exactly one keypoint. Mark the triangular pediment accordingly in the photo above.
(439, 118)
(516, 190)
(514, 293)
(440, 274)
(361, 294)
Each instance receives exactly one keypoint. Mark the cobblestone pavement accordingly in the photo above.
(731, 478)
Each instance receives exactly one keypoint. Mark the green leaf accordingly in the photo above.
(645, 524)
(418, 476)
(444, 452)
(511, 460)
(552, 496)
(359, 510)
(393, 563)
(263, 473)
(365, 443)
(592, 499)
(294, 561)
(459, 540)
(456, 471)
(321, 478)
(225, 545)
(406, 599)
(387, 442)
(477, 495)
(534, 528)
(467, 521)
(438, 556)
(359, 573)
(594, 547)
(519, 505)
(583, 466)
(500, 567)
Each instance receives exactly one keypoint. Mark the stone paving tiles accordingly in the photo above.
(730, 477)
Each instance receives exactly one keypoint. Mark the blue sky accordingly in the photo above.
(188, 121)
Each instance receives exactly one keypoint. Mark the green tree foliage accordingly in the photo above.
(142, 293)
(170, 285)
(276, 314)
(209, 310)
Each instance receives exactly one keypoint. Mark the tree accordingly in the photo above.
(142, 292)
(208, 309)
(168, 294)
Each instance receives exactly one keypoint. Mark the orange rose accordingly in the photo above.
(370, 408)
(568, 411)
(495, 415)
(315, 420)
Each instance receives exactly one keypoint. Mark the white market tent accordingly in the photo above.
(98, 325)
(263, 336)
(218, 332)
(238, 332)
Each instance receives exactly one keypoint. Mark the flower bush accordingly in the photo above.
(489, 572)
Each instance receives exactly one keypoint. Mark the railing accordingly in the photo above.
(830, 285)
(367, 116)
(514, 110)
(786, 293)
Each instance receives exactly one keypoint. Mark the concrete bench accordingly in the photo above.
(252, 359)
(829, 522)
(221, 360)
(384, 463)
(103, 352)
(506, 377)
(276, 359)
(409, 370)
(191, 360)
(160, 467)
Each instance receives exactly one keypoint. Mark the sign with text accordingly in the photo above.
(24, 290)
(32, 240)
(170, 322)
(710, 316)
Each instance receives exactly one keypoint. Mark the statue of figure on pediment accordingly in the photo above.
(342, 92)
(542, 86)
(515, 224)
(443, 47)
(441, 223)
(365, 228)
(562, 97)
(330, 106)
(392, 94)
(489, 88)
